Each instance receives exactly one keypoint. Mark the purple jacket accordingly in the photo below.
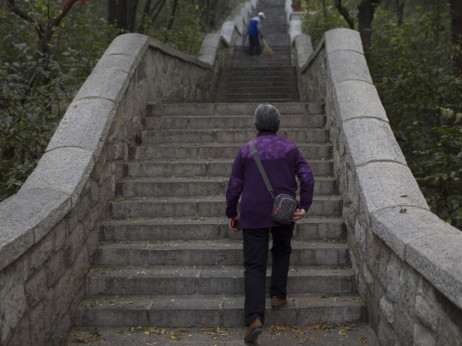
(282, 162)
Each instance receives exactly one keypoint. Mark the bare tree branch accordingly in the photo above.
(16, 10)
(344, 12)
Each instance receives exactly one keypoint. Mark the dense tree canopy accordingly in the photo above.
(48, 48)
(414, 51)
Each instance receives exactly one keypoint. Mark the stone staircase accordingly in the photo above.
(167, 258)
(262, 78)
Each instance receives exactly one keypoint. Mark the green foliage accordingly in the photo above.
(413, 69)
(36, 85)
(320, 16)
(185, 35)
(35, 90)
(414, 72)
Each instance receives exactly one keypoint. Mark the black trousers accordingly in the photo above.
(255, 261)
(254, 45)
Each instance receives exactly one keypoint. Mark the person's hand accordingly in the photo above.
(230, 224)
(299, 213)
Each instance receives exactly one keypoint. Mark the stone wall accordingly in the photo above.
(49, 230)
(407, 261)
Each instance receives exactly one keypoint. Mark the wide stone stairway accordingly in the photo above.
(167, 259)
(262, 78)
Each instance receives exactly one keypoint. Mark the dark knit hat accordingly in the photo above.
(267, 118)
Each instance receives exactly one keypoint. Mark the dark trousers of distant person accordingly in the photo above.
(254, 45)
(255, 261)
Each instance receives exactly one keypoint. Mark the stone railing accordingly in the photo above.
(49, 230)
(407, 261)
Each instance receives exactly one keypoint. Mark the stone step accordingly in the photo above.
(211, 228)
(345, 334)
(258, 84)
(189, 280)
(206, 311)
(202, 207)
(258, 61)
(260, 69)
(211, 253)
(214, 151)
(231, 136)
(238, 100)
(263, 76)
(260, 96)
(218, 109)
(242, 87)
(201, 168)
(235, 122)
(196, 186)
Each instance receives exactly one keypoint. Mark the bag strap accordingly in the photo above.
(261, 169)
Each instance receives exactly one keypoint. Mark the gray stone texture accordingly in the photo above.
(388, 184)
(343, 40)
(347, 65)
(358, 99)
(407, 260)
(295, 29)
(49, 230)
(303, 49)
(368, 147)
(85, 125)
(64, 169)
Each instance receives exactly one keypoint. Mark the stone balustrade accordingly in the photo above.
(49, 230)
(407, 261)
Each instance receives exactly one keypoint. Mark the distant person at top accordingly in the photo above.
(255, 31)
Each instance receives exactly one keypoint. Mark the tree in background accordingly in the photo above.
(456, 19)
(48, 48)
(46, 51)
(412, 62)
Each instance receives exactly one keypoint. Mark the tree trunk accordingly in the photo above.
(172, 16)
(324, 8)
(112, 11)
(456, 20)
(213, 13)
(344, 12)
(399, 11)
(365, 17)
(145, 16)
(155, 15)
(122, 15)
(133, 5)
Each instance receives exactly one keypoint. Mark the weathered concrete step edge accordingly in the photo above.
(282, 76)
(260, 95)
(257, 69)
(307, 229)
(273, 335)
(183, 187)
(203, 168)
(231, 109)
(262, 100)
(312, 151)
(198, 122)
(209, 253)
(330, 206)
(228, 136)
(247, 85)
(167, 280)
(206, 311)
